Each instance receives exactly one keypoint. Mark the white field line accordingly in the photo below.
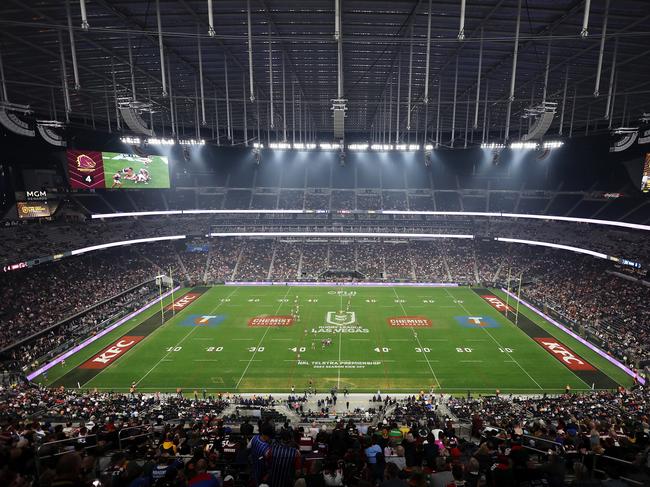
(495, 340)
(147, 338)
(192, 330)
(415, 335)
(261, 340)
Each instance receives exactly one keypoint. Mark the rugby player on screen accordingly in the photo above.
(143, 176)
(129, 174)
(117, 180)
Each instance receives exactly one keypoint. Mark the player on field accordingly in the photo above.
(117, 180)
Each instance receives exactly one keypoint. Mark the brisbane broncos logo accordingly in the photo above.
(85, 163)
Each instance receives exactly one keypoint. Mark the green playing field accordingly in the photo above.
(397, 339)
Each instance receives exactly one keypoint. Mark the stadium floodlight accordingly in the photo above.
(299, 146)
(130, 140)
(553, 144)
(358, 147)
(257, 145)
(492, 145)
(191, 142)
(523, 145)
(414, 147)
(310, 146)
(157, 141)
(428, 147)
(400, 146)
(279, 145)
(382, 147)
(328, 146)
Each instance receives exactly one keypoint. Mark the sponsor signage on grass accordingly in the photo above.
(203, 320)
(183, 302)
(476, 321)
(496, 303)
(409, 322)
(564, 354)
(111, 353)
(269, 320)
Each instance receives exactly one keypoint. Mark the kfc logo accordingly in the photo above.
(107, 356)
(496, 303)
(564, 354)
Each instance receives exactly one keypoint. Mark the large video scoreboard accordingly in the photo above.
(113, 170)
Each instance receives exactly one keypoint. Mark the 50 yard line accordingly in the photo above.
(260, 342)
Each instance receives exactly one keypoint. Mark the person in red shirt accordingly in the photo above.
(202, 477)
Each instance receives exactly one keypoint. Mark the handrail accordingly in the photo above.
(140, 427)
(72, 440)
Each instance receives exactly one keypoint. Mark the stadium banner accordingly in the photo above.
(97, 336)
(197, 248)
(340, 284)
(27, 210)
(588, 344)
(114, 170)
(35, 195)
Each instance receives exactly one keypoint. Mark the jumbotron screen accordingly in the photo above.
(645, 177)
(112, 170)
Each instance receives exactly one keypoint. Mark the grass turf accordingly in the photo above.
(228, 355)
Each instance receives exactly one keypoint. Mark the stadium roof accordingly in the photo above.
(377, 38)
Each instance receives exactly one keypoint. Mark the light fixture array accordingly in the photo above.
(549, 144)
(160, 141)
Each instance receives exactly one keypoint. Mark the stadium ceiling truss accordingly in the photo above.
(450, 73)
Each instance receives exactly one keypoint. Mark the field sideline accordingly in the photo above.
(397, 339)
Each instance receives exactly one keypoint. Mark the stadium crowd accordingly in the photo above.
(34, 352)
(111, 439)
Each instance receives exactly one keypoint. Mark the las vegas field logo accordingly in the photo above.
(341, 317)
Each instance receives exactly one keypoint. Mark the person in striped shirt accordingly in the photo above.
(257, 448)
(283, 460)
